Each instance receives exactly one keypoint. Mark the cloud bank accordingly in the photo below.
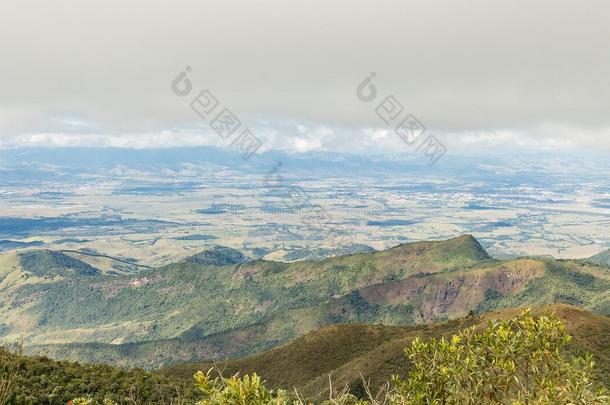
(479, 74)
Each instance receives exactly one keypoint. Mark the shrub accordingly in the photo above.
(519, 361)
(248, 390)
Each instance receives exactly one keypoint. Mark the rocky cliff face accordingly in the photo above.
(446, 295)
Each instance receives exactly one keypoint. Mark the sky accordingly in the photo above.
(477, 74)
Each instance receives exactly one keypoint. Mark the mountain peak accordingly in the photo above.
(218, 256)
(433, 256)
(466, 237)
(44, 262)
(468, 241)
(464, 246)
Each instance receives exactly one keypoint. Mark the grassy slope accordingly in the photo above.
(350, 351)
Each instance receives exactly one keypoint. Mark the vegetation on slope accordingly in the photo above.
(217, 256)
(201, 294)
(48, 263)
(214, 312)
(39, 380)
(521, 359)
(351, 352)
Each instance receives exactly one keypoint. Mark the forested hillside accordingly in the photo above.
(216, 305)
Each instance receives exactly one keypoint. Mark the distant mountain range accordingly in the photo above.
(218, 305)
(37, 164)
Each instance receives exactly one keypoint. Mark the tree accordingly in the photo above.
(10, 362)
(519, 361)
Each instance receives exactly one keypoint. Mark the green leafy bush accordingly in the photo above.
(519, 361)
(248, 390)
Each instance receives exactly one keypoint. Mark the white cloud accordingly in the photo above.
(307, 137)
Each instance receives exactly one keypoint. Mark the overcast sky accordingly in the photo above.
(480, 74)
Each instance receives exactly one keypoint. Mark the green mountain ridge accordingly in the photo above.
(216, 312)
